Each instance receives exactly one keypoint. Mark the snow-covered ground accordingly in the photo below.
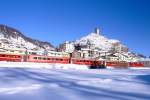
(53, 83)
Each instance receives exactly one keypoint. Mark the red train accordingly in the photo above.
(117, 64)
(10, 57)
(93, 64)
(66, 60)
(47, 59)
(136, 64)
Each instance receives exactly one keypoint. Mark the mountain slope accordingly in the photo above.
(101, 42)
(14, 38)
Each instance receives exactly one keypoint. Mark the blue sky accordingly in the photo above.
(58, 20)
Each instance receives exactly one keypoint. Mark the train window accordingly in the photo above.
(44, 58)
(3, 55)
(57, 59)
(34, 57)
(48, 58)
(60, 59)
(39, 58)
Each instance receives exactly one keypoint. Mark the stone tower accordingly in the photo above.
(97, 31)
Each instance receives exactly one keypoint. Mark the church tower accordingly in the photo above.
(97, 31)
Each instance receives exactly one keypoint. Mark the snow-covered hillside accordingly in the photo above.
(99, 41)
(69, 84)
(95, 41)
(12, 38)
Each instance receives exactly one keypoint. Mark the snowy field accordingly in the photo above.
(53, 83)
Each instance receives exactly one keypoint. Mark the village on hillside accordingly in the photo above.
(93, 46)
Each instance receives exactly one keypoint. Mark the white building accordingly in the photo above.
(67, 47)
(57, 54)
